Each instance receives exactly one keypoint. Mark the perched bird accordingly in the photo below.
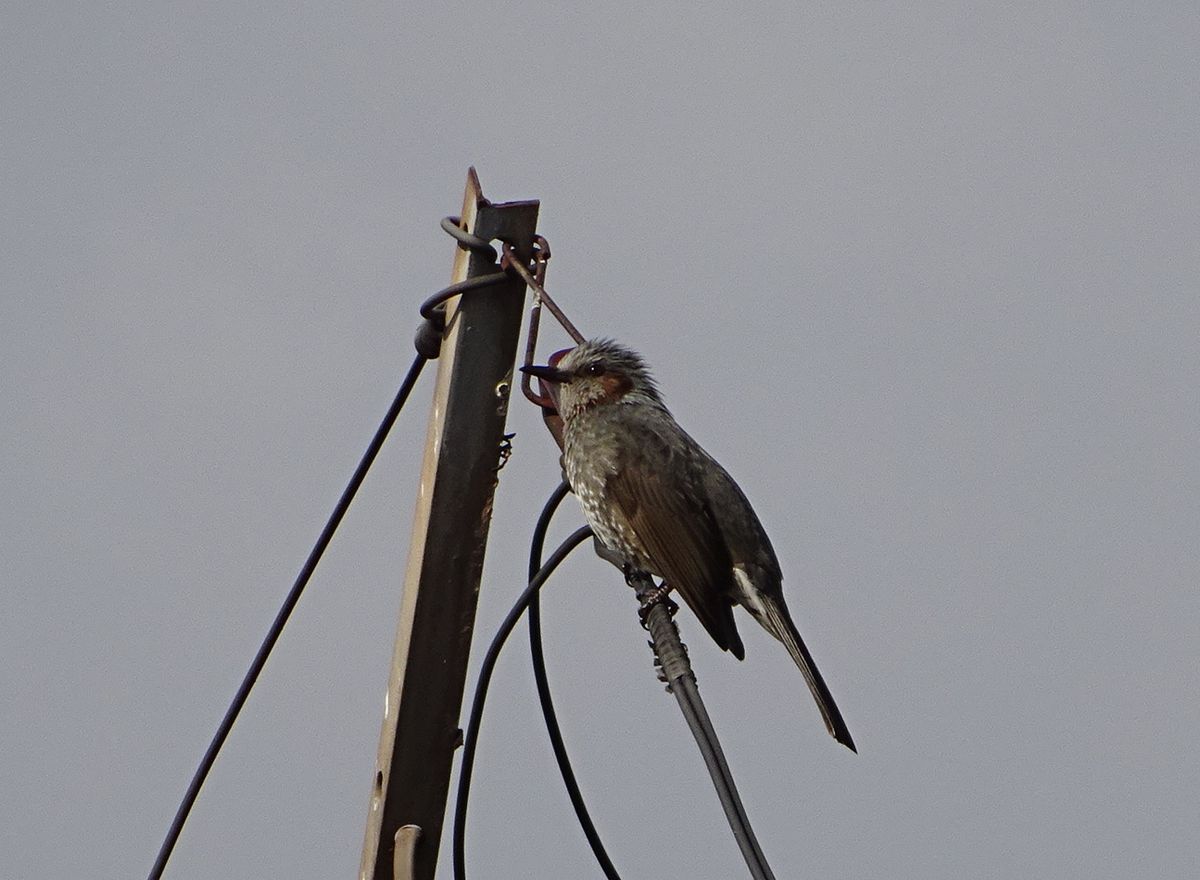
(666, 507)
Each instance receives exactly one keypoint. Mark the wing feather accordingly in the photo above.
(664, 504)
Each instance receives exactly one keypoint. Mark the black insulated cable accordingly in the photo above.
(471, 739)
(281, 618)
(543, 688)
(671, 657)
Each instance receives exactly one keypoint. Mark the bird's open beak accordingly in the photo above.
(553, 375)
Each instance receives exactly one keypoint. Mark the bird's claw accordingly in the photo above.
(658, 596)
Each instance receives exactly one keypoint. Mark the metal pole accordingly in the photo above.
(445, 562)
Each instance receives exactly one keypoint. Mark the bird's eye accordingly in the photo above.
(596, 369)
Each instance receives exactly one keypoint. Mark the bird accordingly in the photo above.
(664, 506)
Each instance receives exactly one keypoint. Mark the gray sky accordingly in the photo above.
(924, 279)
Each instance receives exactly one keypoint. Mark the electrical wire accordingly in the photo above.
(471, 738)
(681, 681)
(543, 689)
(281, 618)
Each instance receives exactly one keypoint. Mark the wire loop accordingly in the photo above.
(466, 240)
(430, 306)
(433, 311)
(428, 340)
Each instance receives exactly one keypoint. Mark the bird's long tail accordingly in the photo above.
(779, 623)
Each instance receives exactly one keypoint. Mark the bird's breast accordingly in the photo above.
(591, 454)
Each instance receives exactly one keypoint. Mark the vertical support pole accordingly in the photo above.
(454, 507)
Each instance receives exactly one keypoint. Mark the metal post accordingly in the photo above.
(450, 528)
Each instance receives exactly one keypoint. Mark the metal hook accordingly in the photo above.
(511, 260)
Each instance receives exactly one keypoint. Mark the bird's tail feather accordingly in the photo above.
(779, 623)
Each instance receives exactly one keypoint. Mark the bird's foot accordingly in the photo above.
(658, 596)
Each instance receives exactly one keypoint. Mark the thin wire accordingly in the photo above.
(539, 291)
(260, 659)
(543, 689)
(471, 739)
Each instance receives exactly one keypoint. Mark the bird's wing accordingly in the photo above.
(743, 534)
(663, 501)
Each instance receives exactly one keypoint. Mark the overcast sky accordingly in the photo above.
(924, 278)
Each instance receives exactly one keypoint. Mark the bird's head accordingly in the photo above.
(597, 373)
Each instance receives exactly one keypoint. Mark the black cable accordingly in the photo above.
(543, 689)
(672, 658)
(471, 739)
(688, 696)
(260, 659)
